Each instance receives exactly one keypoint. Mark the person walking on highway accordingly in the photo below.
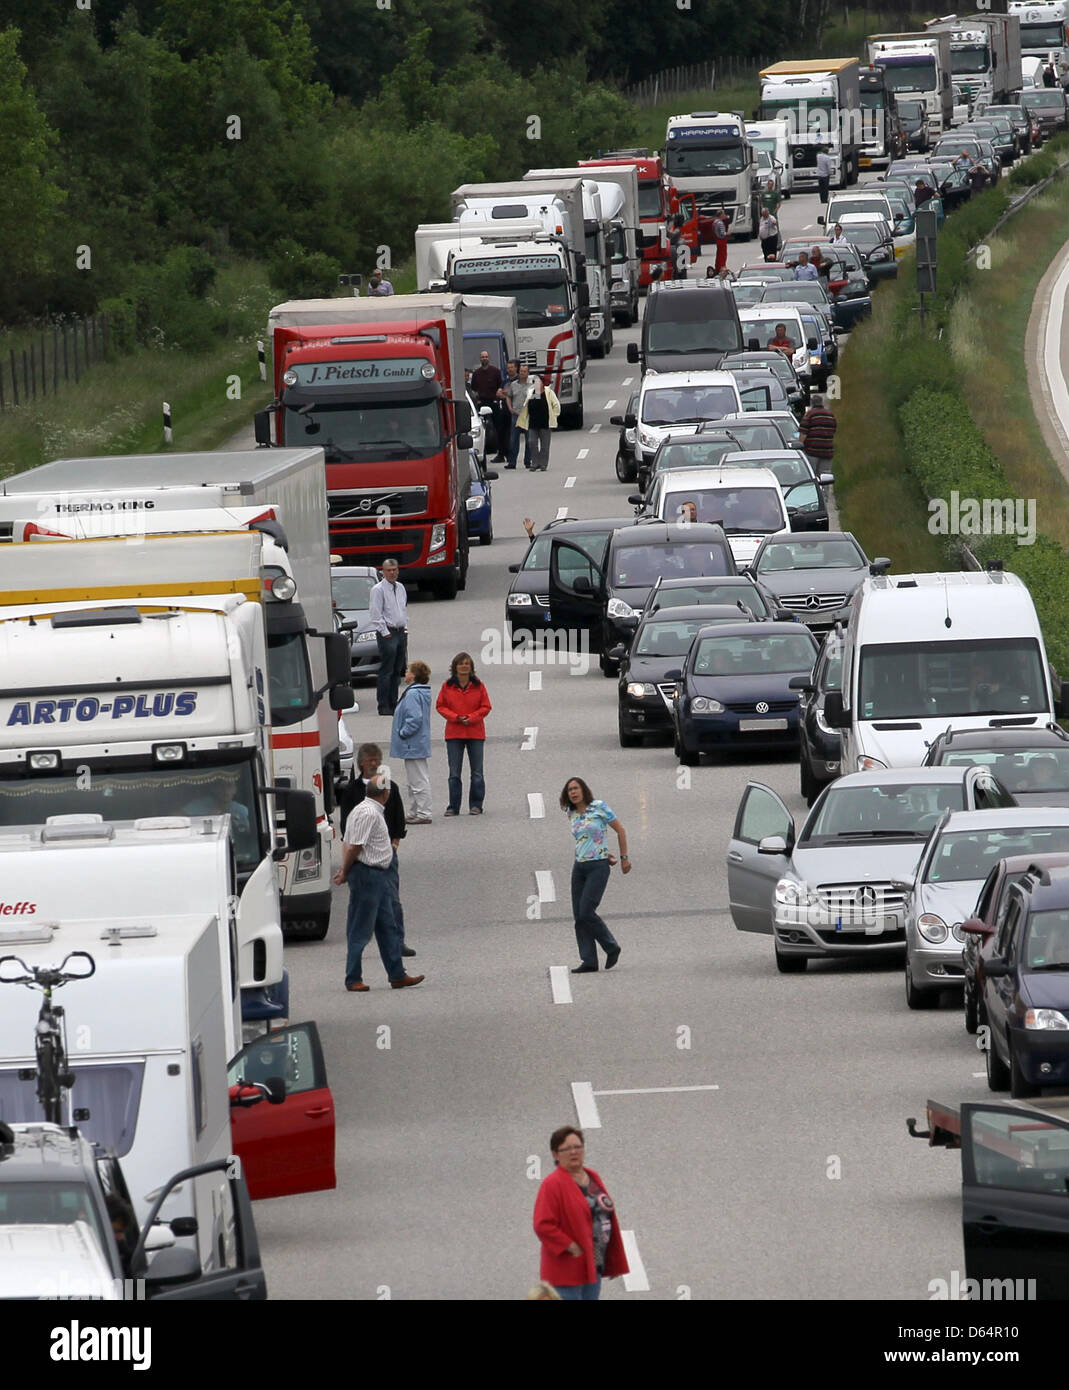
(367, 855)
(537, 418)
(771, 198)
(368, 767)
(576, 1222)
(721, 227)
(824, 172)
(378, 285)
(1050, 77)
(817, 434)
(512, 372)
(389, 616)
(464, 704)
(516, 392)
(589, 821)
(768, 231)
(410, 740)
(486, 385)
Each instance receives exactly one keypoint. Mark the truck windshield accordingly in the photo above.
(874, 99)
(1045, 36)
(292, 697)
(800, 113)
(918, 75)
(974, 58)
(927, 680)
(619, 244)
(382, 429)
(130, 793)
(650, 200)
(690, 158)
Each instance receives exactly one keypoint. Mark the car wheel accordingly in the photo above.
(487, 537)
(998, 1073)
(628, 739)
(625, 467)
(684, 755)
(790, 965)
(609, 669)
(972, 1012)
(919, 998)
(1020, 1087)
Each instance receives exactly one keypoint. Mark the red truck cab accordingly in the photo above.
(658, 202)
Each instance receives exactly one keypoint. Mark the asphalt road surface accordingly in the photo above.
(751, 1126)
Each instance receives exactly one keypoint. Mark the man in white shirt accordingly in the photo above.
(389, 616)
(824, 172)
(367, 854)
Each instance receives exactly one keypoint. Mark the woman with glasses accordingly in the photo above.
(590, 821)
(576, 1222)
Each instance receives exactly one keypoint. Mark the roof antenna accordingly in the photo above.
(948, 621)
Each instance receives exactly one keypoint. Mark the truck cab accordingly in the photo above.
(707, 154)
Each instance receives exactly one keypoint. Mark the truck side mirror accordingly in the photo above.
(462, 417)
(342, 698)
(338, 658)
(584, 296)
(464, 441)
(261, 428)
(302, 830)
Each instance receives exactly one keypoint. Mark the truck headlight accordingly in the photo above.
(566, 384)
(283, 587)
(932, 928)
(307, 865)
(1046, 1020)
(701, 704)
(437, 536)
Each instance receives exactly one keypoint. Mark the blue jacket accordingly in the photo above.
(410, 736)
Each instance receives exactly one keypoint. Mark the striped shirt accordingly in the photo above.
(367, 828)
(818, 431)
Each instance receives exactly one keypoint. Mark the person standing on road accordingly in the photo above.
(768, 231)
(367, 855)
(378, 285)
(1050, 78)
(410, 740)
(368, 767)
(389, 616)
(512, 373)
(721, 227)
(589, 820)
(576, 1222)
(678, 248)
(771, 198)
(804, 270)
(486, 385)
(539, 416)
(838, 237)
(824, 172)
(516, 394)
(464, 704)
(817, 433)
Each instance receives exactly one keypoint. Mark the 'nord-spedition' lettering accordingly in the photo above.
(84, 711)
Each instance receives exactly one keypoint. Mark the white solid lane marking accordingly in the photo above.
(536, 805)
(534, 680)
(594, 429)
(582, 453)
(547, 893)
(636, 1281)
(609, 404)
(560, 984)
(586, 1107)
(562, 512)
(656, 1090)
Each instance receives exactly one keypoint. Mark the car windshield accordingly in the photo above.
(766, 331)
(911, 110)
(841, 206)
(777, 556)
(687, 335)
(963, 855)
(790, 467)
(687, 595)
(674, 405)
(914, 680)
(595, 543)
(738, 510)
(639, 566)
(1055, 101)
(898, 810)
(698, 455)
(784, 372)
(352, 590)
(748, 293)
(952, 149)
(367, 433)
(801, 292)
(667, 638)
(866, 236)
(1019, 769)
(1046, 943)
(770, 654)
(973, 57)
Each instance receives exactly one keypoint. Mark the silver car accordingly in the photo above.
(350, 587)
(840, 887)
(959, 855)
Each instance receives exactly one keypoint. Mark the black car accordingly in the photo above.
(1047, 107)
(1024, 998)
(602, 596)
(660, 643)
(761, 390)
(527, 603)
(876, 251)
(1001, 136)
(734, 688)
(814, 576)
(625, 448)
(954, 185)
(819, 745)
(1020, 121)
(729, 589)
(1032, 763)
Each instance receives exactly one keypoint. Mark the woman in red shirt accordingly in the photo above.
(463, 703)
(576, 1222)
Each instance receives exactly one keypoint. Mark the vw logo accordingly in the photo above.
(866, 896)
(762, 707)
(812, 600)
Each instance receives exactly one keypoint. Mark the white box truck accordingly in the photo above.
(1044, 33)
(621, 208)
(985, 57)
(918, 65)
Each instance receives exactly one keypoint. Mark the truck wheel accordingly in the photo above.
(998, 1073)
(596, 349)
(608, 339)
(755, 222)
(574, 414)
(465, 552)
(790, 965)
(448, 585)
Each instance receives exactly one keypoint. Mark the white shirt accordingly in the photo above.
(389, 606)
(366, 827)
(823, 166)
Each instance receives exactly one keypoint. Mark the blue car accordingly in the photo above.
(479, 504)
(734, 689)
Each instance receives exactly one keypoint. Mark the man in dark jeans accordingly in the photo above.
(369, 765)
(485, 384)
(818, 426)
(389, 615)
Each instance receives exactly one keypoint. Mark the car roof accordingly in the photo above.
(1048, 890)
(785, 452)
(44, 1153)
(353, 571)
(715, 476)
(1017, 736)
(671, 533)
(752, 629)
(677, 379)
(904, 777)
(737, 580)
(812, 537)
(1008, 816)
(691, 612)
(598, 523)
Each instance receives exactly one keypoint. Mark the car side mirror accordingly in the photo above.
(632, 353)
(617, 653)
(673, 675)
(801, 683)
(880, 565)
(636, 499)
(630, 420)
(811, 343)
(514, 569)
(302, 828)
(826, 479)
(834, 714)
(784, 615)
(820, 222)
(772, 844)
(996, 969)
(617, 420)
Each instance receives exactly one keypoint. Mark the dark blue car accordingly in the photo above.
(479, 503)
(734, 689)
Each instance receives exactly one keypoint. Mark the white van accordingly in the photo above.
(759, 322)
(774, 137)
(747, 502)
(926, 651)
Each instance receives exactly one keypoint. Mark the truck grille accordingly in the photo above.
(362, 503)
(372, 546)
(813, 603)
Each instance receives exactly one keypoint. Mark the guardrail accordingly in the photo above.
(1016, 204)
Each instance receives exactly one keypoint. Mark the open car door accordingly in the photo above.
(752, 876)
(576, 589)
(285, 1147)
(1015, 1199)
(685, 205)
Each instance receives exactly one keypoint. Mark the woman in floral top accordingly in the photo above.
(590, 820)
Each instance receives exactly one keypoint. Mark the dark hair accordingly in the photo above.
(557, 1138)
(566, 805)
(121, 1210)
(420, 671)
(369, 750)
(463, 656)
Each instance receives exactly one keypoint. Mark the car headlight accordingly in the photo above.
(368, 636)
(474, 503)
(932, 928)
(867, 764)
(814, 361)
(639, 688)
(792, 893)
(1046, 1020)
(437, 535)
(519, 601)
(957, 933)
(702, 705)
(619, 609)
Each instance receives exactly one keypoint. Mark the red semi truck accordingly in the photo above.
(378, 384)
(658, 202)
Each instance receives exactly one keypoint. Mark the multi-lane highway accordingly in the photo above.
(750, 1126)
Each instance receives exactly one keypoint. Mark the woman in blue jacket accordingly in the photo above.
(410, 740)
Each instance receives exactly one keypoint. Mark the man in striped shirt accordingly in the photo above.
(818, 433)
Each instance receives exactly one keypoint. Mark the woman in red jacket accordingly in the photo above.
(463, 703)
(576, 1222)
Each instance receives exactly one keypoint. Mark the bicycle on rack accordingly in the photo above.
(51, 1073)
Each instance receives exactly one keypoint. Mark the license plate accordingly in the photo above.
(755, 726)
(877, 928)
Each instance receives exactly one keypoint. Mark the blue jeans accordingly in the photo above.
(454, 747)
(575, 1293)
(590, 878)
(393, 874)
(371, 913)
(393, 658)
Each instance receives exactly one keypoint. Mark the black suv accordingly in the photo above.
(1032, 763)
(688, 326)
(527, 601)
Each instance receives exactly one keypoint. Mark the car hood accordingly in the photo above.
(1046, 989)
(812, 581)
(954, 902)
(858, 861)
(733, 690)
(653, 668)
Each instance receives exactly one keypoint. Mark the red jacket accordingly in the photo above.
(562, 1215)
(454, 700)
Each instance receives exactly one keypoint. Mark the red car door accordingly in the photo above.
(685, 204)
(289, 1147)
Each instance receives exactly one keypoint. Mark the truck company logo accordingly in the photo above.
(84, 711)
(122, 504)
(17, 909)
(344, 373)
(489, 264)
(705, 132)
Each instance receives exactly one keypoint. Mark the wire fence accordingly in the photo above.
(694, 77)
(53, 357)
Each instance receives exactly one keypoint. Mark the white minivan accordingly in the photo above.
(747, 502)
(774, 137)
